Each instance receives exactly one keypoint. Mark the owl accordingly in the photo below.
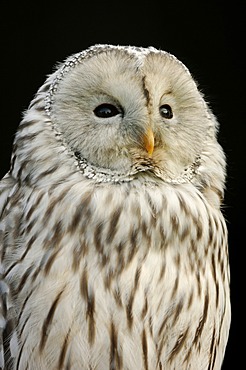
(113, 245)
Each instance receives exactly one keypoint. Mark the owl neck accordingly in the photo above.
(105, 175)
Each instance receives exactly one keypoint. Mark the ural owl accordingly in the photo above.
(113, 245)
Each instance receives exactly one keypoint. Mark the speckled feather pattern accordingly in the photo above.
(105, 274)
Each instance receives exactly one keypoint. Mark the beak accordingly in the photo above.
(149, 142)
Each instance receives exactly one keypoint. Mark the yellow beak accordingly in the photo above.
(149, 141)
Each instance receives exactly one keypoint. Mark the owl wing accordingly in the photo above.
(8, 336)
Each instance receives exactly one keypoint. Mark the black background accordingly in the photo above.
(208, 36)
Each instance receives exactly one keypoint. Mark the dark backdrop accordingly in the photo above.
(208, 36)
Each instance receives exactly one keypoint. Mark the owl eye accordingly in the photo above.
(106, 111)
(166, 111)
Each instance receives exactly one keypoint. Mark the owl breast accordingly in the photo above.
(123, 279)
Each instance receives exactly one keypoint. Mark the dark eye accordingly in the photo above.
(166, 111)
(106, 110)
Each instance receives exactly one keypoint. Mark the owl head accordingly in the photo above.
(127, 113)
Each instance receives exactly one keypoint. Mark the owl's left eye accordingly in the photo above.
(106, 110)
(166, 111)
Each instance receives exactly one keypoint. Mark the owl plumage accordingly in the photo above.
(113, 245)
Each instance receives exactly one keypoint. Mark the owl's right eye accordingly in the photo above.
(106, 110)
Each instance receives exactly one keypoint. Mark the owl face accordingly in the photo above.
(121, 107)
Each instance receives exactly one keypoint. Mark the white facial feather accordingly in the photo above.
(138, 84)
